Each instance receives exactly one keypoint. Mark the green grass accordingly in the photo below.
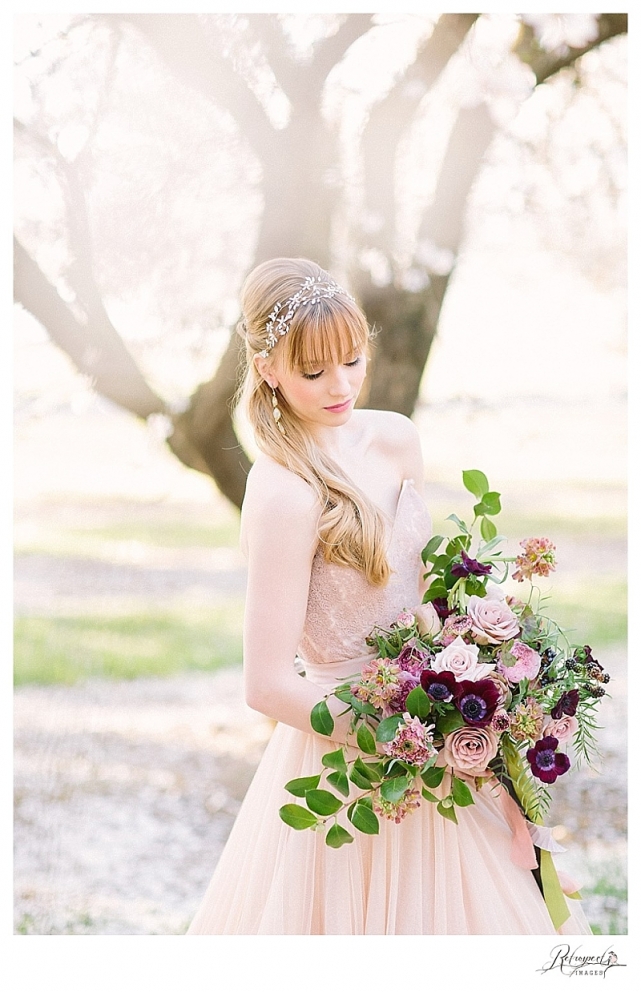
(592, 613)
(605, 900)
(67, 649)
(98, 541)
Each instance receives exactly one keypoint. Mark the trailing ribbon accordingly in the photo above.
(524, 788)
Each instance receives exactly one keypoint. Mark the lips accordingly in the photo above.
(339, 408)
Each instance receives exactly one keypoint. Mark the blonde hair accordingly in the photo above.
(351, 528)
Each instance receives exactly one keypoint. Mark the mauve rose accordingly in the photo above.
(501, 683)
(427, 620)
(563, 729)
(470, 749)
(492, 619)
(462, 660)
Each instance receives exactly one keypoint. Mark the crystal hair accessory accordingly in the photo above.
(314, 288)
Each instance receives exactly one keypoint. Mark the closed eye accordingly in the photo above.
(316, 375)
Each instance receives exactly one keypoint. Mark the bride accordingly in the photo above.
(333, 524)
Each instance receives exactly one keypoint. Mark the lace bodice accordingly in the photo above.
(343, 607)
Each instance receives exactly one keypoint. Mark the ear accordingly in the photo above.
(264, 369)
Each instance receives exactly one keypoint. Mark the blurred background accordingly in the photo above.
(464, 174)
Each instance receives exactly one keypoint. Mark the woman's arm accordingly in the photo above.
(280, 515)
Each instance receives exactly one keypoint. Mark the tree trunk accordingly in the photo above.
(407, 323)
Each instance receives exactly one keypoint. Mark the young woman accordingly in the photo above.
(333, 524)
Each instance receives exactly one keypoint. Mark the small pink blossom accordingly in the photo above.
(563, 729)
(526, 721)
(410, 801)
(379, 682)
(500, 722)
(537, 558)
(454, 627)
(404, 619)
(526, 666)
(413, 742)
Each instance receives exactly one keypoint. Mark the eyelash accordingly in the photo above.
(315, 375)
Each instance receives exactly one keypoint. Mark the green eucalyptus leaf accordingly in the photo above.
(488, 529)
(490, 504)
(360, 779)
(393, 788)
(321, 719)
(437, 590)
(337, 836)
(345, 696)
(364, 819)
(335, 759)
(433, 776)
(386, 730)
(461, 793)
(322, 802)
(339, 781)
(429, 796)
(459, 523)
(365, 739)
(299, 786)
(449, 721)
(475, 482)
(448, 812)
(432, 545)
(297, 816)
(418, 703)
(370, 772)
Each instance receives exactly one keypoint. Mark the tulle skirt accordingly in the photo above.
(425, 875)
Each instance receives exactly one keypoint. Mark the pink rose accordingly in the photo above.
(462, 660)
(563, 729)
(526, 665)
(427, 620)
(404, 619)
(492, 619)
(469, 750)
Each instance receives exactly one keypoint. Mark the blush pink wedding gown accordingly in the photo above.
(424, 875)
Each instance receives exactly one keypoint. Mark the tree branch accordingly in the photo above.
(545, 64)
(180, 41)
(389, 119)
(96, 348)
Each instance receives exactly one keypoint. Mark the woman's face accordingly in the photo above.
(322, 396)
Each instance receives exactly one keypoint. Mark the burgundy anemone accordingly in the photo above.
(477, 701)
(442, 687)
(546, 762)
(566, 705)
(469, 566)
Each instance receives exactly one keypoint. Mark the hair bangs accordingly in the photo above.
(331, 332)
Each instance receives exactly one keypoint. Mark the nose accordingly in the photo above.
(339, 384)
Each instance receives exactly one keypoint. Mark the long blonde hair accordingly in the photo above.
(351, 528)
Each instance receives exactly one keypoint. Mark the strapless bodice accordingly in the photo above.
(343, 607)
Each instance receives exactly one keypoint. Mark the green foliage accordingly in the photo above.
(337, 836)
(322, 802)
(299, 786)
(321, 719)
(297, 816)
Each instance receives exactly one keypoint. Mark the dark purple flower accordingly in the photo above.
(469, 566)
(441, 607)
(566, 705)
(398, 702)
(546, 762)
(477, 701)
(413, 659)
(442, 687)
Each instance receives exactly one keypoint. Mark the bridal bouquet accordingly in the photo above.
(473, 689)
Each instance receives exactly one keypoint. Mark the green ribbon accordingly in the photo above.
(526, 793)
(552, 891)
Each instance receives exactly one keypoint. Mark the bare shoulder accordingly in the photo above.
(396, 436)
(278, 503)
